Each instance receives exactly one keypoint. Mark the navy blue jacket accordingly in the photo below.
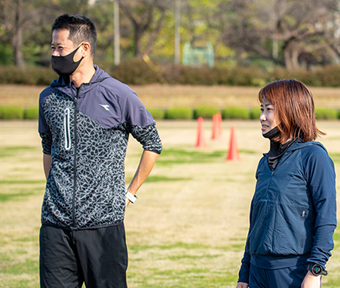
(86, 132)
(293, 211)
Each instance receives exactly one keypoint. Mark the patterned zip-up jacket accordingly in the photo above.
(86, 132)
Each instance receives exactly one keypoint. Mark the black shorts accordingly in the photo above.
(97, 257)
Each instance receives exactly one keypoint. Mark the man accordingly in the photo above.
(85, 118)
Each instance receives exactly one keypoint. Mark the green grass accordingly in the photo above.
(26, 182)
(186, 266)
(13, 196)
(181, 156)
(8, 151)
(19, 189)
(335, 157)
(244, 151)
(189, 278)
(169, 246)
(160, 178)
(28, 266)
(171, 232)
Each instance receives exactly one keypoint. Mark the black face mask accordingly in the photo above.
(272, 133)
(64, 65)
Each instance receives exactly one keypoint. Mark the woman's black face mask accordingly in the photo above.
(64, 65)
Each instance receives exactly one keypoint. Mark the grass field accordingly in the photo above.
(188, 228)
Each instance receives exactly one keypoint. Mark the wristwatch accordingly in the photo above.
(131, 197)
(317, 269)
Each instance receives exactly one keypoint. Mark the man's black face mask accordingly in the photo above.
(64, 65)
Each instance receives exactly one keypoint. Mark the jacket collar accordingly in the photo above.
(296, 145)
(63, 84)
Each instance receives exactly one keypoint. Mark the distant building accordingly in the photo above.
(198, 56)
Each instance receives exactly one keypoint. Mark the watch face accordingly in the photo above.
(317, 269)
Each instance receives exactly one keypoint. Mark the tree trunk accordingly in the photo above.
(17, 37)
(154, 34)
(291, 55)
(137, 37)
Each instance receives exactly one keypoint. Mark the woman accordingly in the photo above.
(293, 211)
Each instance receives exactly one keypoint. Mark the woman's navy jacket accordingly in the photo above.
(293, 211)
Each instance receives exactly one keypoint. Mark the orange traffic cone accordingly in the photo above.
(219, 124)
(215, 133)
(200, 143)
(216, 126)
(233, 150)
(220, 128)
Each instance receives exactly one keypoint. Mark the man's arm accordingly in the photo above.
(47, 161)
(145, 166)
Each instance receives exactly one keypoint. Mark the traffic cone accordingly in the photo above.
(215, 129)
(216, 126)
(219, 124)
(233, 150)
(200, 143)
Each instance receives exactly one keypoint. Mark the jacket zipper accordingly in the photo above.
(67, 129)
(75, 98)
(280, 163)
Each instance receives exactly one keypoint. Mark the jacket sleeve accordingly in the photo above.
(320, 175)
(43, 127)
(140, 123)
(46, 142)
(243, 275)
(147, 136)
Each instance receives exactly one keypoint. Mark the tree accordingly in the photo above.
(295, 25)
(13, 21)
(301, 30)
(290, 33)
(146, 17)
(27, 24)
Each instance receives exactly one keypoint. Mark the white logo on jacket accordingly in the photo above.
(106, 107)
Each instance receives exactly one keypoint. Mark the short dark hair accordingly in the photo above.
(294, 106)
(81, 29)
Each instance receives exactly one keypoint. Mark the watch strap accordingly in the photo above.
(130, 196)
(317, 269)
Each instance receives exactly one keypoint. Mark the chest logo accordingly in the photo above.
(106, 107)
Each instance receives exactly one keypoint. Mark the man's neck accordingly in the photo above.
(83, 76)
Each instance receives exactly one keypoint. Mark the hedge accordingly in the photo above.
(31, 113)
(11, 113)
(235, 113)
(27, 76)
(326, 113)
(254, 113)
(174, 113)
(130, 72)
(179, 113)
(136, 71)
(157, 113)
(205, 112)
(18, 113)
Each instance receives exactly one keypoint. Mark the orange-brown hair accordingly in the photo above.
(294, 105)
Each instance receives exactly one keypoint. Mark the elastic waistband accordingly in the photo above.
(280, 261)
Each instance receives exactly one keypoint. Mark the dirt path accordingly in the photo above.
(164, 96)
